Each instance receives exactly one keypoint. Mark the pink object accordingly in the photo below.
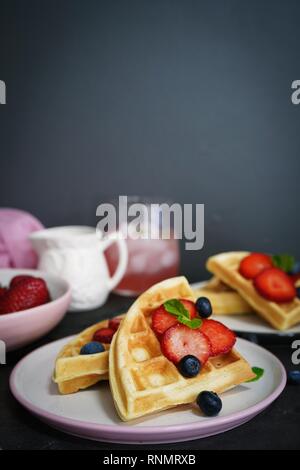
(153, 249)
(15, 248)
(149, 262)
(21, 328)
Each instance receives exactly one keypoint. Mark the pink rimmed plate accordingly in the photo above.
(91, 414)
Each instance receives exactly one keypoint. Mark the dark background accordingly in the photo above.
(187, 100)
(182, 99)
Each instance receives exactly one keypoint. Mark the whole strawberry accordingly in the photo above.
(3, 290)
(27, 293)
(20, 277)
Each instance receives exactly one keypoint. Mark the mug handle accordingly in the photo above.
(123, 258)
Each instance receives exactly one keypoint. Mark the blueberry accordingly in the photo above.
(189, 366)
(295, 269)
(298, 292)
(203, 306)
(92, 348)
(294, 377)
(209, 403)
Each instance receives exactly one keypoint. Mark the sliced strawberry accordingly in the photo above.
(162, 320)
(190, 306)
(20, 277)
(104, 335)
(114, 323)
(254, 264)
(222, 338)
(275, 285)
(294, 278)
(180, 340)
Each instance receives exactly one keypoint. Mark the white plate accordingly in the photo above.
(91, 413)
(249, 322)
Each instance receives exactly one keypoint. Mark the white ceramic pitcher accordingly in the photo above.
(76, 254)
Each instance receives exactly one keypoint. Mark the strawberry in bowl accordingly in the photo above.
(24, 291)
(31, 304)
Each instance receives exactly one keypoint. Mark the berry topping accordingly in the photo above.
(180, 340)
(254, 264)
(20, 277)
(222, 339)
(203, 306)
(209, 403)
(295, 269)
(293, 377)
(190, 306)
(275, 285)
(284, 262)
(104, 335)
(189, 366)
(114, 323)
(92, 348)
(162, 320)
(27, 293)
(294, 278)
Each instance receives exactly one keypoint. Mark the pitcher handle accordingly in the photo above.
(123, 258)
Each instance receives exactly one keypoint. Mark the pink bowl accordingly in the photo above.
(21, 328)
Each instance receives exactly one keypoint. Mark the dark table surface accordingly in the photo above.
(278, 427)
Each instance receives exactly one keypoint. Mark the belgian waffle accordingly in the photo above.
(224, 300)
(74, 371)
(143, 380)
(226, 267)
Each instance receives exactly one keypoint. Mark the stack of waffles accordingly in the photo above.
(224, 299)
(142, 379)
(225, 267)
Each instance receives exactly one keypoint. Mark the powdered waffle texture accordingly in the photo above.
(224, 300)
(74, 371)
(226, 267)
(143, 380)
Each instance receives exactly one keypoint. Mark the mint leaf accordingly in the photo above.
(284, 262)
(176, 308)
(195, 323)
(184, 320)
(258, 372)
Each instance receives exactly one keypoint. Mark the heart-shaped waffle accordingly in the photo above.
(143, 380)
